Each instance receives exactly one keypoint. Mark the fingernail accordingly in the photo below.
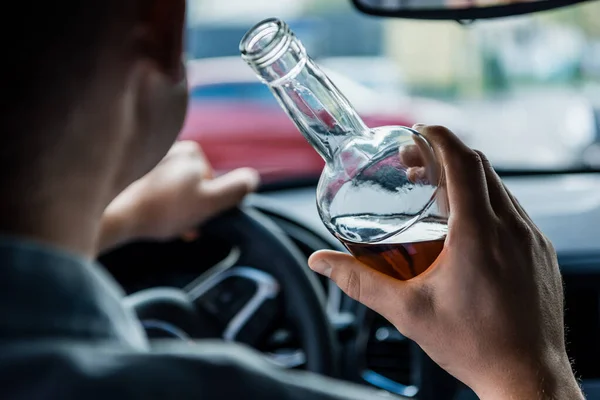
(416, 127)
(321, 267)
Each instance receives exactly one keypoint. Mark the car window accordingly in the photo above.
(525, 90)
(248, 92)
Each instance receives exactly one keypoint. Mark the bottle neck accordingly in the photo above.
(323, 115)
(319, 110)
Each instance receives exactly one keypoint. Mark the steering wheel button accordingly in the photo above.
(225, 298)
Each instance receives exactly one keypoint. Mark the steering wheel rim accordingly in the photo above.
(275, 264)
(260, 240)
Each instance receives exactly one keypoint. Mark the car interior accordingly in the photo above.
(521, 80)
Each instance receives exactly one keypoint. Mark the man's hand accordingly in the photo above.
(178, 195)
(490, 309)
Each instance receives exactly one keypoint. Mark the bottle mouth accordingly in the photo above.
(266, 42)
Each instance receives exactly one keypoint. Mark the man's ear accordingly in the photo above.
(154, 105)
(163, 24)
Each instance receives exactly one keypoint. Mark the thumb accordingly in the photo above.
(227, 191)
(366, 285)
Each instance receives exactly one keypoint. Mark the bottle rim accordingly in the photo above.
(266, 54)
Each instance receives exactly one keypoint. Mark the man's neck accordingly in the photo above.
(67, 217)
(56, 230)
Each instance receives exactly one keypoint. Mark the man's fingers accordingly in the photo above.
(503, 201)
(412, 159)
(192, 150)
(499, 198)
(417, 175)
(518, 206)
(432, 168)
(228, 190)
(466, 185)
(419, 160)
(410, 156)
(372, 288)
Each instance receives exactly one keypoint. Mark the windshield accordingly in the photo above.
(524, 90)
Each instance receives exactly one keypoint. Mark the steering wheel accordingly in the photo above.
(239, 300)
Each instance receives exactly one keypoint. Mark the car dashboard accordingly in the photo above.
(565, 207)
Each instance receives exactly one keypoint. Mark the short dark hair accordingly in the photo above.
(50, 52)
(48, 47)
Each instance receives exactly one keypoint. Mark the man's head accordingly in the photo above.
(93, 96)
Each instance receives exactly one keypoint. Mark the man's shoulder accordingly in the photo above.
(207, 370)
(183, 371)
(82, 369)
(74, 370)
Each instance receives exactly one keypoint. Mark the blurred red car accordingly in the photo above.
(238, 122)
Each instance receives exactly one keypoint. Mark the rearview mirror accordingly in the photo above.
(457, 9)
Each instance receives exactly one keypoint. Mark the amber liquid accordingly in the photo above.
(402, 261)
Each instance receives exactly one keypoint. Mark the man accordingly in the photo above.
(93, 98)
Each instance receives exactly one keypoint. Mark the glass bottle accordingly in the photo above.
(378, 193)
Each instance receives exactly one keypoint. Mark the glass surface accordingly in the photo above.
(377, 192)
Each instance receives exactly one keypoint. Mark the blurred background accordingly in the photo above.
(524, 90)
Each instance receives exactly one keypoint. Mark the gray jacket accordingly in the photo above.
(64, 334)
